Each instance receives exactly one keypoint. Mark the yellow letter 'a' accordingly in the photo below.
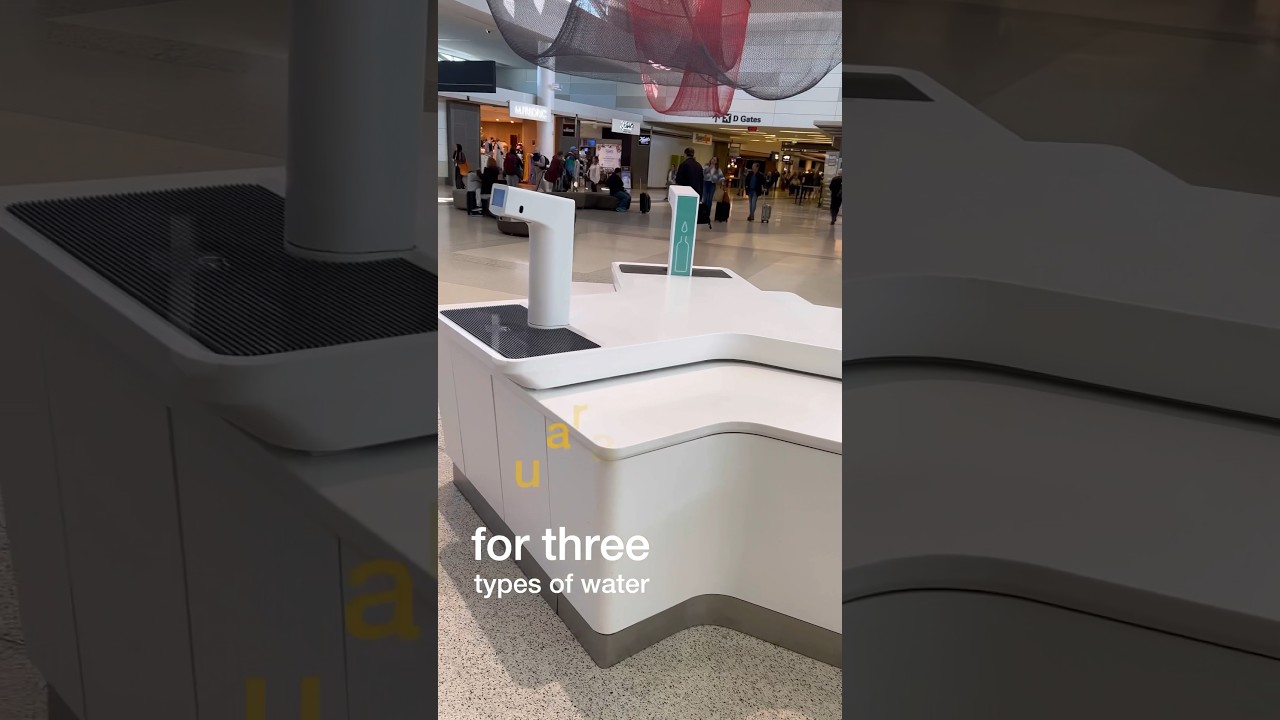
(400, 597)
(558, 437)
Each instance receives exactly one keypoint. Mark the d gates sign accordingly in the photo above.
(740, 119)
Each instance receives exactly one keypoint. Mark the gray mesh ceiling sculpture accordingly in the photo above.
(691, 55)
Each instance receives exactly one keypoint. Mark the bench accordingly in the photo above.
(582, 200)
(590, 200)
(519, 228)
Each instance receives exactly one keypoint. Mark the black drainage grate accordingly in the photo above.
(881, 86)
(211, 261)
(505, 328)
(662, 270)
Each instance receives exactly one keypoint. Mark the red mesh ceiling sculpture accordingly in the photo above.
(690, 55)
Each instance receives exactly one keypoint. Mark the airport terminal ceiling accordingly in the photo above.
(690, 58)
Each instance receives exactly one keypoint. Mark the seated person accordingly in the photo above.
(617, 190)
(473, 187)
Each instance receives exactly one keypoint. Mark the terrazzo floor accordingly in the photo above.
(513, 659)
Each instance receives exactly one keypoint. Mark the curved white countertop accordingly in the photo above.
(630, 415)
(1081, 261)
(657, 321)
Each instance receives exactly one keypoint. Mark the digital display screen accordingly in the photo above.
(468, 76)
(499, 199)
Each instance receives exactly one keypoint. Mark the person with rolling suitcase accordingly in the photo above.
(712, 176)
(689, 174)
(723, 207)
(754, 185)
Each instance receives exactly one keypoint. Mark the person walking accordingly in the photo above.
(711, 179)
(689, 174)
(712, 176)
(487, 180)
(593, 173)
(555, 174)
(509, 175)
(460, 168)
(537, 168)
(755, 184)
(570, 171)
(837, 186)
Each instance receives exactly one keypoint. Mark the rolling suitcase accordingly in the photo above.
(722, 211)
(704, 214)
(766, 212)
(645, 203)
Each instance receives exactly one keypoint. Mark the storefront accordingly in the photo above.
(477, 127)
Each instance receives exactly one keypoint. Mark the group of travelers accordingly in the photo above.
(556, 173)
(706, 179)
(562, 172)
(755, 183)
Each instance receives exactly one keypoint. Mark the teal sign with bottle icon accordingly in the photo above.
(684, 230)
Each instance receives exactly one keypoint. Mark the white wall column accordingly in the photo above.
(547, 98)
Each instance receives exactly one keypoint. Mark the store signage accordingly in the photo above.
(610, 155)
(806, 147)
(525, 111)
(646, 139)
(701, 139)
(629, 127)
(831, 167)
(569, 128)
